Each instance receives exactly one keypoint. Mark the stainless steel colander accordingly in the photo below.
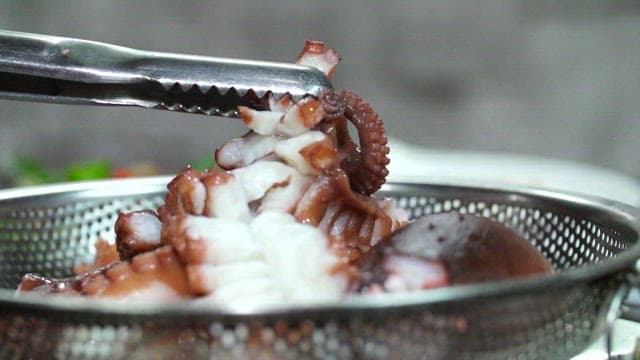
(593, 244)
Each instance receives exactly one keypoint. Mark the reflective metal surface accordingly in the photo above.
(63, 70)
(592, 243)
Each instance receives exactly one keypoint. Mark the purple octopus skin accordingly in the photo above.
(448, 249)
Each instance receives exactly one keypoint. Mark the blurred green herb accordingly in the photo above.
(204, 163)
(29, 171)
(89, 170)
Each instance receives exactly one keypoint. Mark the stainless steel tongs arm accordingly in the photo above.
(63, 70)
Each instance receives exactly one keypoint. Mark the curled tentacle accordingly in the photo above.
(366, 164)
(332, 104)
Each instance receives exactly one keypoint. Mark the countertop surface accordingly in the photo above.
(411, 163)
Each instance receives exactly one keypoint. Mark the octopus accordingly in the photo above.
(155, 274)
(287, 215)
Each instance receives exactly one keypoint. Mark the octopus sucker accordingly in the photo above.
(137, 232)
(353, 226)
(186, 194)
(315, 201)
(315, 55)
(366, 229)
(333, 210)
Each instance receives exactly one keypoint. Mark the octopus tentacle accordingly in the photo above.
(156, 273)
(137, 232)
(353, 222)
(186, 195)
(366, 164)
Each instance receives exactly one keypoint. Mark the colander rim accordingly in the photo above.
(623, 214)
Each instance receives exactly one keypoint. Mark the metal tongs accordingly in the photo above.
(62, 70)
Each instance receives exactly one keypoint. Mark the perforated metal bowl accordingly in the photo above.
(593, 244)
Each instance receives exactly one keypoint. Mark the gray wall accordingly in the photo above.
(531, 77)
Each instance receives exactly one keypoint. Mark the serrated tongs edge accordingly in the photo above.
(72, 71)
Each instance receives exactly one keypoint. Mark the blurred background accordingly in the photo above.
(551, 79)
